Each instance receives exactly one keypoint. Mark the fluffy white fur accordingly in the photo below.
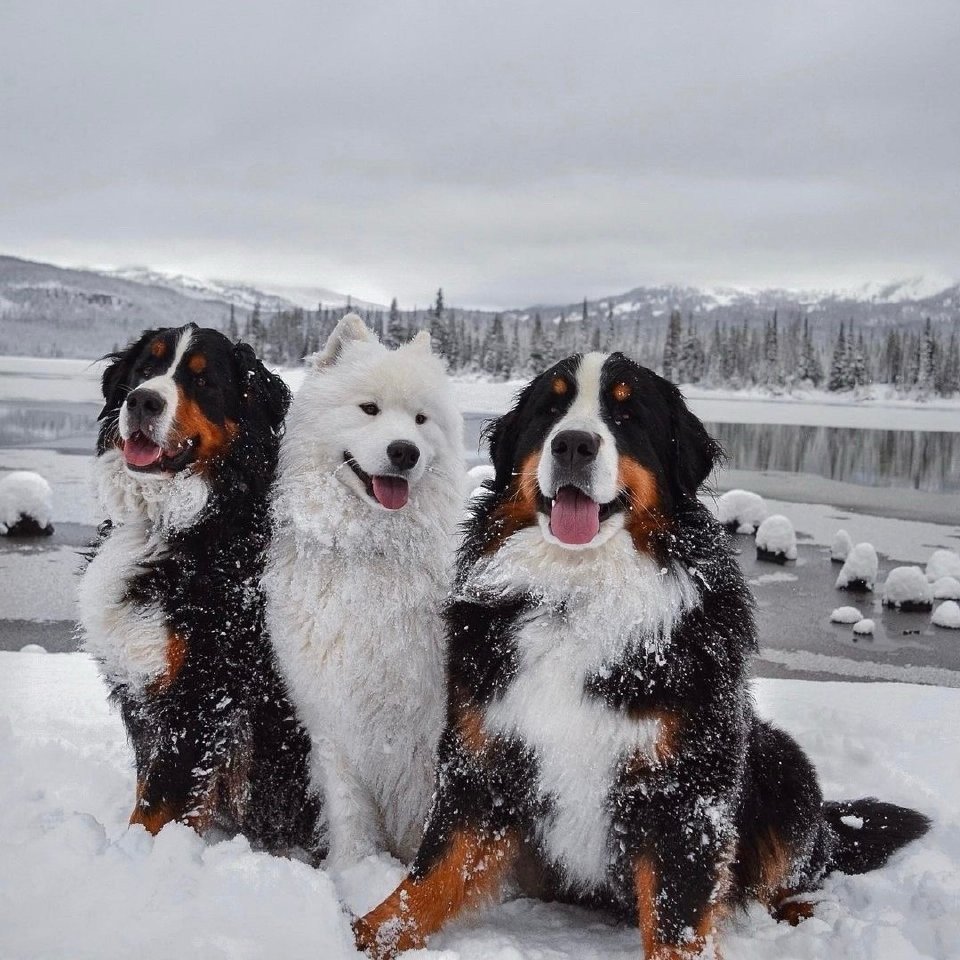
(354, 590)
(130, 642)
(574, 631)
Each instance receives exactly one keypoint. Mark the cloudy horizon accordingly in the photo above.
(512, 153)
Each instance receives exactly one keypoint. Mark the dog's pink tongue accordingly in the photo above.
(138, 451)
(574, 518)
(391, 492)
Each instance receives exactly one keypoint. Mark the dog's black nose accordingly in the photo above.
(147, 403)
(403, 454)
(575, 448)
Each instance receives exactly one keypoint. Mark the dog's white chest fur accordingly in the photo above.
(353, 611)
(129, 641)
(578, 741)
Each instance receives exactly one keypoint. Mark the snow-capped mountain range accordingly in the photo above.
(52, 310)
(270, 297)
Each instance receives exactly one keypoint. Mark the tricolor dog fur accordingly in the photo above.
(600, 743)
(368, 497)
(171, 605)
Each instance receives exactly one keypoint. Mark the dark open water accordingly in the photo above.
(910, 459)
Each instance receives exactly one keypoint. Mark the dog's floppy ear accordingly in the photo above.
(118, 373)
(262, 390)
(695, 452)
(349, 327)
(501, 437)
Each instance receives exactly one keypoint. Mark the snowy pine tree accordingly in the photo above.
(926, 361)
(396, 329)
(839, 371)
(671, 348)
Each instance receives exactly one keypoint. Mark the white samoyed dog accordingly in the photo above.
(366, 506)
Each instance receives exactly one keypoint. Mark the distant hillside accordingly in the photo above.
(48, 310)
(51, 311)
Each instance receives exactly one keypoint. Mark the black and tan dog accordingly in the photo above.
(171, 605)
(601, 745)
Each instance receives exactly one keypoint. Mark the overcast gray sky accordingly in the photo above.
(513, 152)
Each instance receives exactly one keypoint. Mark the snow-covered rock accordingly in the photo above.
(776, 539)
(906, 588)
(864, 628)
(26, 505)
(741, 511)
(846, 615)
(859, 571)
(947, 615)
(943, 563)
(946, 588)
(841, 547)
(475, 493)
(479, 473)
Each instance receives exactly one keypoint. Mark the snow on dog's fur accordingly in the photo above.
(367, 501)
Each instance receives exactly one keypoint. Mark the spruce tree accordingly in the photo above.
(440, 328)
(395, 326)
(839, 379)
(950, 376)
(671, 348)
(537, 358)
(927, 361)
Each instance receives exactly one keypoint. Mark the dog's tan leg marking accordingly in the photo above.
(469, 872)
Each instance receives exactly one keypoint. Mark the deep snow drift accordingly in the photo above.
(76, 882)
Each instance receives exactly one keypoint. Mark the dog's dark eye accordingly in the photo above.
(421, 418)
(201, 382)
(370, 409)
(146, 372)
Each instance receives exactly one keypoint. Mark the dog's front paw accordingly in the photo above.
(383, 941)
(364, 936)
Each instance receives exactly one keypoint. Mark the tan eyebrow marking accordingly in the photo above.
(621, 392)
(197, 363)
(159, 349)
(559, 386)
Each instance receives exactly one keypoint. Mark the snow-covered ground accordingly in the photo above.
(76, 882)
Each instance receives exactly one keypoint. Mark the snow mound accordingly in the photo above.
(906, 588)
(846, 615)
(481, 472)
(33, 648)
(864, 628)
(947, 615)
(776, 539)
(26, 505)
(859, 571)
(841, 546)
(946, 588)
(741, 510)
(943, 563)
(475, 494)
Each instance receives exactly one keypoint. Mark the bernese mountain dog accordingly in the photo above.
(171, 605)
(601, 745)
